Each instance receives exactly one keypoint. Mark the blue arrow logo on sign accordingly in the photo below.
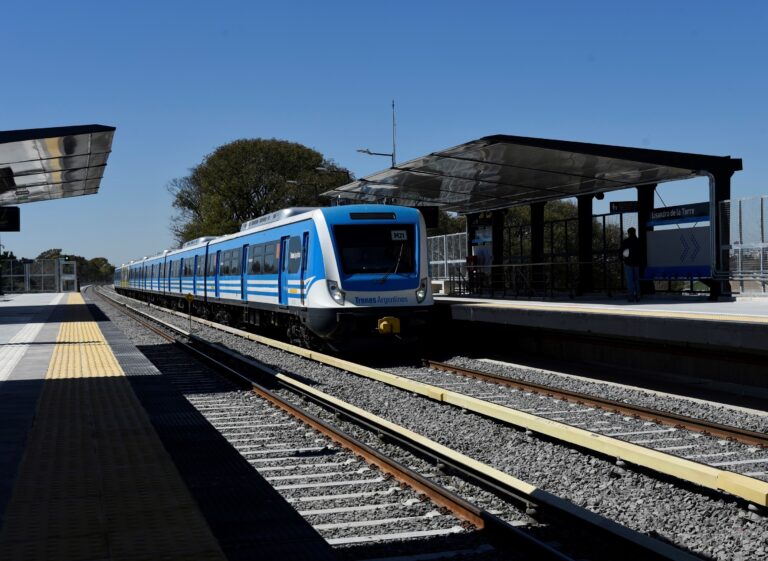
(696, 247)
(684, 254)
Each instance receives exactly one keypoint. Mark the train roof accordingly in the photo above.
(334, 214)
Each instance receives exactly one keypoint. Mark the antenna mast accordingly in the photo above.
(393, 133)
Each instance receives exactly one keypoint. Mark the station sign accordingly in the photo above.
(10, 219)
(694, 212)
(623, 206)
(679, 253)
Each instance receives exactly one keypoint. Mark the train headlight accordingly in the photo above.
(336, 293)
(421, 293)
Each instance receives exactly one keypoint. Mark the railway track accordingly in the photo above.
(354, 496)
(538, 504)
(733, 434)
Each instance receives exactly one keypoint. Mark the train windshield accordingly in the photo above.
(376, 248)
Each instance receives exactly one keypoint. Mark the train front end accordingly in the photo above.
(377, 273)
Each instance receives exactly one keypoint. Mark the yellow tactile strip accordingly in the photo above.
(95, 481)
(81, 352)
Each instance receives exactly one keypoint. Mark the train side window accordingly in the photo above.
(269, 258)
(237, 260)
(228, 262)
(200, 269)
(255, 259)
(294, 254)
(211, 264)
(224, 265)
(305, 251)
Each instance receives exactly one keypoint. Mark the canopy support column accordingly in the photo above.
(497, 249)
(537, 246)
(584, 213)
(645, 194)
(720, 232)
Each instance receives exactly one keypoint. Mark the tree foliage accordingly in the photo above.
(246, 179)
(449, 223)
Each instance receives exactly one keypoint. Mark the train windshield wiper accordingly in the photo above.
(397, 265)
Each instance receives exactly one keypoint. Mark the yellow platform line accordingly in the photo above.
(95, 481)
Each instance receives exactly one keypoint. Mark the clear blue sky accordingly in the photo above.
(178, 79)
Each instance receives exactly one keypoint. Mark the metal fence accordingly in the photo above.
(448, 261)
(43, 275)
(559, 273)
(743, 241)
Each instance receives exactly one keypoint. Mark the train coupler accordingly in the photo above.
(389, 325)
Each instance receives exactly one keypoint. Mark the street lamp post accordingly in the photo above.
(390, 154)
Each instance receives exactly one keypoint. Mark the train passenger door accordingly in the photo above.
(194, 274)
(282, 272)
(304, 264)
(243, 273)
(291, 273)
(216, 273)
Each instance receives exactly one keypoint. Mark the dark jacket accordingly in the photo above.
(634, 258)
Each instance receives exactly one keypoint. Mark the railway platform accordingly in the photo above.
(725, 342)
(101, 458)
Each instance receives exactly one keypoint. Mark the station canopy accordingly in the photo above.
(503, 171)
(52, 163)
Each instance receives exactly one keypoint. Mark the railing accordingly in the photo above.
(542, 280)
(447, 256)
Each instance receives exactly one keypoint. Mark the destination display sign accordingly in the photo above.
(623, 206)
(694, 212)
(10, 219)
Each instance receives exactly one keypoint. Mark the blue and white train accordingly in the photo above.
(332, 274)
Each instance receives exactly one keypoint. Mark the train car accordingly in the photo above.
(319, 274)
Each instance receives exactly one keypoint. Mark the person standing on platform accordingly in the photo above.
(630, 256)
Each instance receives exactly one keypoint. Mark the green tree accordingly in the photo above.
(448, 223)
(50, 254)
(246, 179)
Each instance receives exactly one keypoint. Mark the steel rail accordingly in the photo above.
(501, 532)
(679, 421)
